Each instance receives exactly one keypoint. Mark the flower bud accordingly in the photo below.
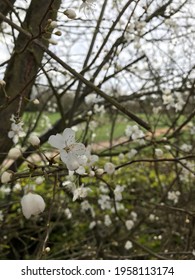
(99, 171)
(34, 140)
(58, 33)
(36, 101)
(14, 153)
(70, 13)
(52, 41)
(32, 204)
(53, 24)
(47, 249)
(6, 176)
(158, 152)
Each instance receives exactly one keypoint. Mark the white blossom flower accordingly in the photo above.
(87, 6)
(134, 216)
(186, 147)
(80, 170)
(99, 171)
(151, 217)
(179, 102)
(129, 224)
(70, 151)
(128, 245)
(134, 132)
(168, 99)
(107, 220)
(104, 201)
(109, 168)
(131, 153)
(17, 187)
(92, 224)
(68, 213)
(32, 204)
(5, 190)
(91, 159)
(158, 152)
(85, 206)
(16, 130)
(121, 156)
(174, 196)
(118, 192)
(39, 180)
(6, 176)
(80, 192)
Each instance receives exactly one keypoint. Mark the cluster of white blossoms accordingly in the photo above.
(173, 100)
(187, 172)
(118, 192)
(134, 133)
(174, 196)
(16, 130)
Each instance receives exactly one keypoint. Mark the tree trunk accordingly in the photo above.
(6, 6)
(23, 66)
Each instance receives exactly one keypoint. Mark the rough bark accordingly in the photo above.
(23, 66)
(6, 6)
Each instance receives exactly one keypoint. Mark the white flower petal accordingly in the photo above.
(78, 149)
(72, 163)
(69, 136)
(57, 141)
(64, 156)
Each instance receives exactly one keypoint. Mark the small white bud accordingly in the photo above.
(6, 176)
(91, 173)
(14, 153)
(52, 41)
(99, 171)
(53, 24)
(70, 13)
(47, 249)
(32, 204)
(129, 224)
(128, 245)
(34, 140)
(36, 101)
(158, 152)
